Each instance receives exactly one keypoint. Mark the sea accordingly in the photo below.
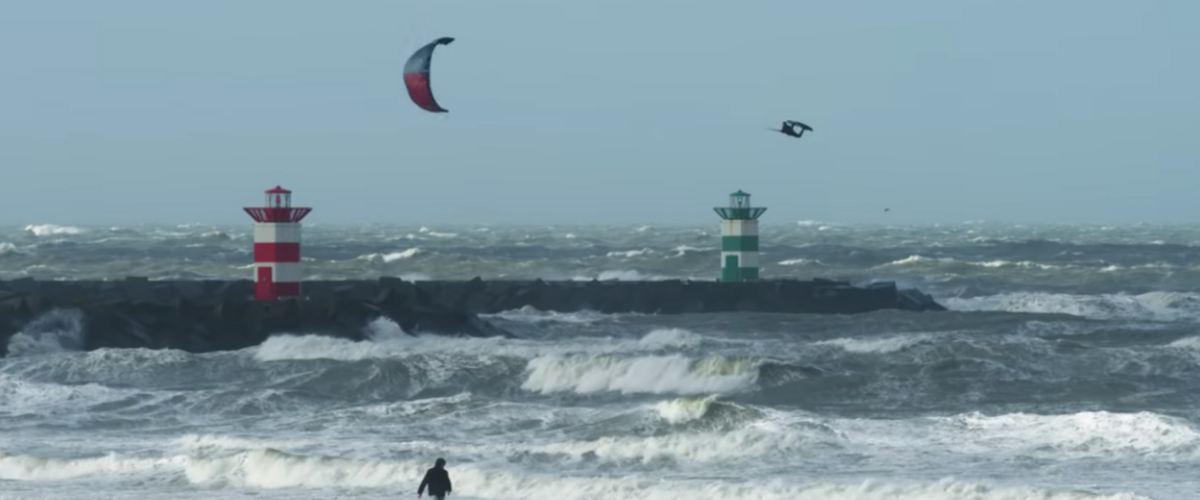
(1067, 368)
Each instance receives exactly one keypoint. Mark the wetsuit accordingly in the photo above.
(438, 481)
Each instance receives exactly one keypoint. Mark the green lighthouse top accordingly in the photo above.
(739, 208)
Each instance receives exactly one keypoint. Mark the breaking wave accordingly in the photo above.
(52, 230)
(56, 331)
(1152, 306)
(583, 374)
(271, 469)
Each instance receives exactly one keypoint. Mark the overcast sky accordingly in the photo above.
(601, 111)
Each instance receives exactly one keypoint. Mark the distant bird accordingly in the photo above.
(789, 128)
(887, 210)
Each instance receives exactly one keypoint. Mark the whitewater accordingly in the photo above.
(1068, 368)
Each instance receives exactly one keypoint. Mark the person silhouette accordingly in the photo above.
(437, 479)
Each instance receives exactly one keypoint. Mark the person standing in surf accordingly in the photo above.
(438, 481)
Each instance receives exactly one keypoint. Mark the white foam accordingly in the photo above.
(1025, 264)
(22, 397)
(273, 470)
(628, 254)
(670, 337)
(1152, 306)
(32, 468)
(675, 374)
(391, 257)
(52, 229)
(801, 262)
(994, 264)
(214, 442)
(382, 329)
(55, 331)
(915, 259)
(621, 275)
(1100, 433)
(1187, 343)
(683, 250)
(680, 410)
(24, 344)
(750, 439)
(530, 314)
(757, 443)
(435, 234)
(880, 345)
(387, 340)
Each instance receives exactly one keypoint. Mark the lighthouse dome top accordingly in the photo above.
(278, 208)
(739, 208)
(739, 199)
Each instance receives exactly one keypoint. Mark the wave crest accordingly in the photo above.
(585, 374)
(1154, 306)
(272, 469)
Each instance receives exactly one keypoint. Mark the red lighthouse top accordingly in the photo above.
(278, 208)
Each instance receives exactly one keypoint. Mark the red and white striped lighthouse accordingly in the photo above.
(277, 246)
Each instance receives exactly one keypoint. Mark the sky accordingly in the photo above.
(601, 111)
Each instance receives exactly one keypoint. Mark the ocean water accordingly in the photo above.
(1067, 369)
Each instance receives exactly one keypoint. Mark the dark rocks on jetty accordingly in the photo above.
(202, 316)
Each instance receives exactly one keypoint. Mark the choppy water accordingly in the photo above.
(1068, 369)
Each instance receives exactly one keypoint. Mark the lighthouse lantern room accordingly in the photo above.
(277, 245)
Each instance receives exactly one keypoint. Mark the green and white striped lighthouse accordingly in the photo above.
(739, 238)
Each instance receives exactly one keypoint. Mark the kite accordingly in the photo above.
(416, 76)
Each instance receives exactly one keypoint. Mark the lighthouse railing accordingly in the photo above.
(748, 213)
(270, 214)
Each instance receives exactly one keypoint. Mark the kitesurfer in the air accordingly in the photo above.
(789, 128)
(438, 481)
